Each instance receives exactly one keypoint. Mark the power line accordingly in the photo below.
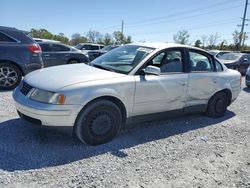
(180, 13)
(197, 28)
(176, 14)
(186, 17)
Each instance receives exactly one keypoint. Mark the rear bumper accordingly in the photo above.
(35, 63)
(45, 114)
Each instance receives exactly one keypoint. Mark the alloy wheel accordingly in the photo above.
(8, 77)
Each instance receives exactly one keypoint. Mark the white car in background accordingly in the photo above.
(130, 82)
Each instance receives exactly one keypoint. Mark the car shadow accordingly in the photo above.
(25, 146)
(246, 89)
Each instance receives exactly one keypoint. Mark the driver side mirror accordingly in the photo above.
(153, 70)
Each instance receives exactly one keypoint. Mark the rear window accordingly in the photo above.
(5, 38)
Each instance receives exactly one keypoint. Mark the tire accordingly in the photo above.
(98, 123)
(73, 61)
(10, 76)
(217, 105)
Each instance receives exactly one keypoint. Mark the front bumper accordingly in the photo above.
(45, 114)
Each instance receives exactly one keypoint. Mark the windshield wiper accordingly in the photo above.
(103, 67)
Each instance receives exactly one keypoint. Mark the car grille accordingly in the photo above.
(25, 89)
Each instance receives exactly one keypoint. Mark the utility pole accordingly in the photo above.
(243, 24)
(123, 23)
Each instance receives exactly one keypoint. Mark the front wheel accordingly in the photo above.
(10, 76)
(98, 123)
(217, 105)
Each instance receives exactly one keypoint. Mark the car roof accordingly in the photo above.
(45, 40)
(91, 44)
(158, 45)
(12, 29)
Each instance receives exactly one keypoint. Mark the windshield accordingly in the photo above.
(230, 56)
(78, 46)
(122, 59)
(109, 47)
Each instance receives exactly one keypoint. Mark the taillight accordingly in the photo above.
(34, 48)
(240, 80)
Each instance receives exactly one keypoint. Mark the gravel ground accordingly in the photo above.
(189, 151)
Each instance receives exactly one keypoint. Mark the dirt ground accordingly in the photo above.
(187, 151)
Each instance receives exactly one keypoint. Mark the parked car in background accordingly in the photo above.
(54, 53)
(89, 46)
(19, 55)
(218, 53)
(236, 61)
(96, 53)
(45, 40)
(248, 77)
(135, 81)
(86, 47)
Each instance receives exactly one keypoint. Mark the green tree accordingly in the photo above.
(41, 33)
(198, 43)
(107, 39)
(61, 37)
(181, 37)
(76, 38)
(213, 40)
(94, 36)
(120, 38)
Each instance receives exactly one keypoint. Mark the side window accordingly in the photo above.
(218, 66)
(172, 61)
(200, 62)
(94, 47)
(5, 38)
(86, 47)
(59, 48)
(45, 47)
(157, 60)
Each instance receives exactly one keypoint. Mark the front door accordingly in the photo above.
(164, 92)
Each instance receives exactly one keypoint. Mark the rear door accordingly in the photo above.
(202, 79)
(164, 92)
(55, 54)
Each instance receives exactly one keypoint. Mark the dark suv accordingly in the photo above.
(19, 55)
(56, 53)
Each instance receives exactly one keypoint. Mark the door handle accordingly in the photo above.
(67, 55)
(215, 81)
(46, 55)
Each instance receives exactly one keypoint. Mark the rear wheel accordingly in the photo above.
(10, 76)
(73, 61)
(98, 123)
(217, 105)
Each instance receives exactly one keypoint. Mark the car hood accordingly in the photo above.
(227, 61)
(54, 78)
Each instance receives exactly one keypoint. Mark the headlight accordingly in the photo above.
(47, 97)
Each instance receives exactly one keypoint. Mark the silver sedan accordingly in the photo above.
(132, 82)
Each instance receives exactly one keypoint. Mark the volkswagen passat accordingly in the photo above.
(130, 82)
